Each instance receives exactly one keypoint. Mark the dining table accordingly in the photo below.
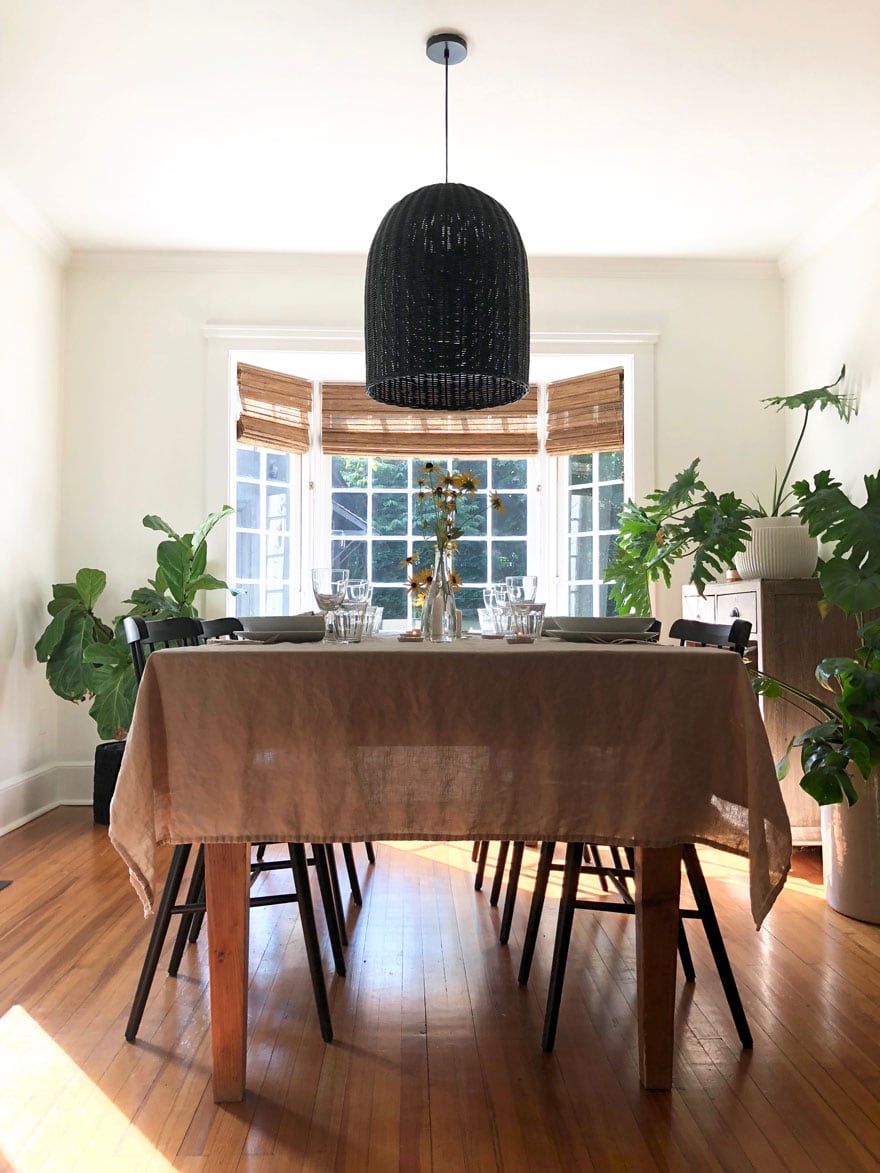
(640, 745)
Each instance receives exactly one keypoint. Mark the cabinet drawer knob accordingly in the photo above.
(734, 613)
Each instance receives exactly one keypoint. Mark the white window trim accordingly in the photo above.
(227, 345)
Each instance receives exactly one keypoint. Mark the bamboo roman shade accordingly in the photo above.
(274, 409)
(585, 414)
(353, 425)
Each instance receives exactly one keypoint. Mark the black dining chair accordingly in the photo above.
(733, 637)
(145, 636)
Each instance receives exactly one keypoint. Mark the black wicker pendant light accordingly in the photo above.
(447, 293)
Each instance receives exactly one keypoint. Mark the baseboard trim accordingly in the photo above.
(30, 795)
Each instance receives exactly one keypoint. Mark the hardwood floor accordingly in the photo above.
(436, 1062)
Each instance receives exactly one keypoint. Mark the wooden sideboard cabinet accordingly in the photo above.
(791, 638)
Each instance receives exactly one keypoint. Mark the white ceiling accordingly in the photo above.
(668, 128)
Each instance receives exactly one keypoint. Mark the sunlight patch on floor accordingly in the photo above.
(52, 1116)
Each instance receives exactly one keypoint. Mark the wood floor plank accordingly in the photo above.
(436, 1062)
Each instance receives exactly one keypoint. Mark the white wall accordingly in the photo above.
(139, 399)
(832, 302)
(30, 344)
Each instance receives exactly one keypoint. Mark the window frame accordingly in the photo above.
(338, 355)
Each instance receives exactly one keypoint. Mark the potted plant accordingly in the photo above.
(840, 747)
(89, 660)
(688, 519)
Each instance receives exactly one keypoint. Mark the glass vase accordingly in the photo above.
(438, 613)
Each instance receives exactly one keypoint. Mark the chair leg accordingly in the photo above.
(716, 942)
(353, 881)
(475, 851)
(684, 952)
(310, 933)
(597, 862)
(512, 885)
(503, 848)
(195, 892)
(337, 893)
(371, 855)
(545, 859)
(157, 937)
(573, 855)
(481, 864)
(322, 870)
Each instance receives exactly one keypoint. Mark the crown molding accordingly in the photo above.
(354, 264)
(853, 204)
(170, 261)
(30, 221)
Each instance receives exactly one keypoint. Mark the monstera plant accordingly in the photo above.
(87, 659)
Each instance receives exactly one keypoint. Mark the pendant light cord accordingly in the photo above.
(446, 106)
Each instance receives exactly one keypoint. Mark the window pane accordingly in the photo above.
(393, 599)
(276, 601)
(349, 515)
(610, 506)
(424, 553)
(277, 508)
(388, 474)
(580, 511)
(277, 558)
(509, 474)
(389, 513)
(606, 542)
(513, 522)
(247, 462)
(469, 561)
(580, 558)
(580, 469)
(247, 502)
(349, 472)
(477, 468)
(468, 599)
(247, 601)
(247, 555)
(508, 558)
(606, 606)
(418, 467)
(610, 466)
(472, 516)
(580, 600)
(278, 466)
(387, 557)
(351, 556)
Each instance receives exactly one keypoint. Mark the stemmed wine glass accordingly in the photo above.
(329, 586)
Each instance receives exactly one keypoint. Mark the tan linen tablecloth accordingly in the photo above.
(634, 745)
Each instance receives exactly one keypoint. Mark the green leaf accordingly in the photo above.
(65, 590)
(207, 582)
(174, 565)
(208, 524)
(54, 633)
(821, 397)
(850, 587)
(153, 521)
(111, 654)
(115, 689)
(825, 787)
(859, 754)
(90, 586)
(66, 670)
(199, 560)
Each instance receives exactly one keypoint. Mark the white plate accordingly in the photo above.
(608, 637)
(600, 624)
(281, 637)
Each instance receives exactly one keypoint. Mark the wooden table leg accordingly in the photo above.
(226, 884)
(658, 885)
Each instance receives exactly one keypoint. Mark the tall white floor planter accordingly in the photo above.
(780, 547)
(851, 853)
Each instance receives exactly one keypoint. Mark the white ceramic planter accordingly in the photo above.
(851, 853)
(781, 547)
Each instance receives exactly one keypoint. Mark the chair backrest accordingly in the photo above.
(146, 635)
(217, 628)
(712, 635)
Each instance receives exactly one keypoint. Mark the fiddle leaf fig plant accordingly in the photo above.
(689, 520)
(89, 660)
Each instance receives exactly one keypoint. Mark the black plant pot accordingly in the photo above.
(108, 759)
